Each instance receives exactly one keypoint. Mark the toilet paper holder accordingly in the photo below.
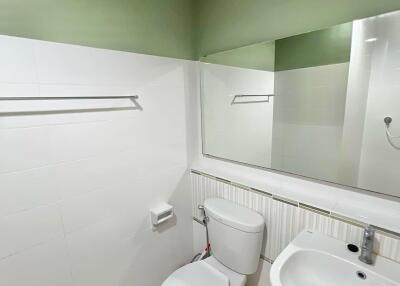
(161, 213)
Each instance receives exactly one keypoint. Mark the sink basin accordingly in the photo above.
(314, 259)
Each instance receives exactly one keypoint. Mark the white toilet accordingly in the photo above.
(236, 234)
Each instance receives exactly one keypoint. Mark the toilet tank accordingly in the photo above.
(236, 235)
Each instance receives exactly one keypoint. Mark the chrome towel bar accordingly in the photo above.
(132, 97)
(251, 95)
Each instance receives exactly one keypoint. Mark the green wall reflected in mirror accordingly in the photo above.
(327, 46)
(259, 57)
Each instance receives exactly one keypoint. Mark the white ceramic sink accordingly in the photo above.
(313, 259)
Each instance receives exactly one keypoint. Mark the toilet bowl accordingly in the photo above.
(208, 272)
(236, 235)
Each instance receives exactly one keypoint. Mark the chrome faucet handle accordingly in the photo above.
(369, 230)
(367, 245)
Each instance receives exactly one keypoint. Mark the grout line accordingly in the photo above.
(68, 123)
(223, 180)
(348, 220)
(314, 209)
(386, 232)
(67, 250)
(285, 200)
(240, 186)
(31, 208)
(64, 162)
(208, 176)
(59, 202)
(33, 246)
(261, 192)
(195, 172)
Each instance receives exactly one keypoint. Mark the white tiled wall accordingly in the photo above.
(356, 101)
(240, 132)
(308, 120)
(380, 157)
(75, 187)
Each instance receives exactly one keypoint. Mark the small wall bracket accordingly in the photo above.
(261, 98)
(388, 120)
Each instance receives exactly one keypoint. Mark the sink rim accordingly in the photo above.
(312, 241)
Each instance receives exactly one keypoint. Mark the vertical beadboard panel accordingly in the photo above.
(388, 246)
(284, 221)
(280, 231)
(346, 232)
(314, 221)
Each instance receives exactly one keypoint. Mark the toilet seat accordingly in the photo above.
(206, 272)
(197, 274)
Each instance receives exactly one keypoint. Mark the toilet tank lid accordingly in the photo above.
(233, 215)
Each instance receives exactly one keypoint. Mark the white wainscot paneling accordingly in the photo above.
(284, 221)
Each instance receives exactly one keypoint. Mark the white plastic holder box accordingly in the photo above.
(161, 213)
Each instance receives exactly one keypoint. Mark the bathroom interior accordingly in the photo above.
(199, 142)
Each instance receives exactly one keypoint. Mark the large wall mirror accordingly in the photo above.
(324, 104)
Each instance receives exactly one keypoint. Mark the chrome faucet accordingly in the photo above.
(367, 245)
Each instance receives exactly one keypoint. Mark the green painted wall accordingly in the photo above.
(177, 28)
(259, 56)
(227, 24)
(159, 27)
(322, 47)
